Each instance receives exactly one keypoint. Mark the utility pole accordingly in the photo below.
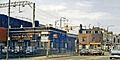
(33, 15)
(21, 3)
(7, 54)
(13, 4)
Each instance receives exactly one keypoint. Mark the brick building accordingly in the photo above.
(90, 38)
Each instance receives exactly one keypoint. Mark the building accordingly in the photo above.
(90, 38)
(14, 22)
(108, 38)
(116, 40)
(40, 40)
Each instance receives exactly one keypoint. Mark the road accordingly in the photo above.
(82, 58)
(67, 58)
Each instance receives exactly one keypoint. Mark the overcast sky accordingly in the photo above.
(101, 13)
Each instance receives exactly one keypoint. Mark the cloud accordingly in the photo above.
(84, 4)
(84, 15)
(86, 12)
(52, 7)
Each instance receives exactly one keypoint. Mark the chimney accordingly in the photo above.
(80, 26)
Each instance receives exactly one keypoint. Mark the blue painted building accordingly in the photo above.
(14, 22)
(39, 39)
(28, 41)
(71, 42)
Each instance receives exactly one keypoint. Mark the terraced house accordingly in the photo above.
(90, 38)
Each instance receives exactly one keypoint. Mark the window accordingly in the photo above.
(80, 31)
(87, 32)
(118, 41)
(91, 46)
(84, 32)
(98, 45)
(83, 39)
(114, 40)
(96, 32)
(83, 46)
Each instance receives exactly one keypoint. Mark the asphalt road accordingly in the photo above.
(67, 58)
(82, 58)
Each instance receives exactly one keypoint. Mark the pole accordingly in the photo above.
(7, 54)
(55, 24)
(61, 23)
(33, 15)
(48, 47)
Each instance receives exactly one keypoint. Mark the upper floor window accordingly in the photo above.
(83, 39)
(114, 40)
(96, 32)
(84, 32)
(87, 32)
(118, 40)
(80, 31)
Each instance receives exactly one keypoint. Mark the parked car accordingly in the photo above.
(96, 52)
(84, 52)
(115, 52)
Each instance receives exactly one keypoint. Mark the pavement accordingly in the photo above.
(39, 57)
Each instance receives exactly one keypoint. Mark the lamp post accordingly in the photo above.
(7, 54)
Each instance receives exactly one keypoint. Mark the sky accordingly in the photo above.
(102, 13)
